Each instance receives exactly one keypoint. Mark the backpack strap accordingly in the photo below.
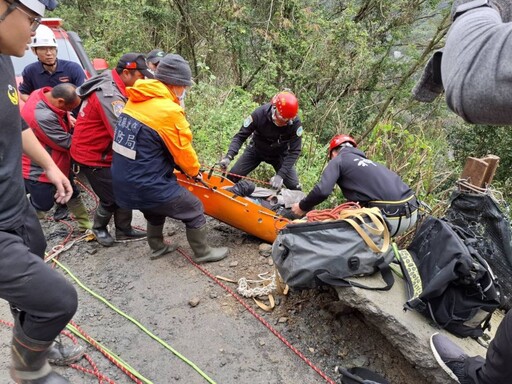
(412, 279)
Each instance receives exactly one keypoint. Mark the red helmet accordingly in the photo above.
(286, 104)
(337, 140)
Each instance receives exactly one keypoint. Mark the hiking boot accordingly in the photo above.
(450, 357)
(60, 354)
(61, 212)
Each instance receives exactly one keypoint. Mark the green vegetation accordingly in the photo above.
(352, 64)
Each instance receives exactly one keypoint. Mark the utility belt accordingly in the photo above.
(402, 208)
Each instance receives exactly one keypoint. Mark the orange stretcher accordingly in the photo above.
(234, 210)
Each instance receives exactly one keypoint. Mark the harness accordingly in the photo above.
(396, 209)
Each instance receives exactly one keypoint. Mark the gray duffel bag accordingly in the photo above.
(310, 254)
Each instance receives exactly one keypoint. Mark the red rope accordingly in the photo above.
(261, 319)
(105, 353)
(330, 214)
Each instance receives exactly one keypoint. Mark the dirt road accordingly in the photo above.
(197, 331)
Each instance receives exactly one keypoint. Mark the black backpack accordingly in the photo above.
(447, 279)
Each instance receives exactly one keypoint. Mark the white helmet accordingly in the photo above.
(44, 38)
(39, 6)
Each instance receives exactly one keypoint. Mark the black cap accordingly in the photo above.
(155, 55)
(135, 61)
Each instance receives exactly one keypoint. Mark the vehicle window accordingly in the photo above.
(65, 52)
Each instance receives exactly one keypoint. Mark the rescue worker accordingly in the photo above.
(47, 112)
(276, 140)
(363, 181)
(152, 138)
(475, 72)
(91, 148)
(48, 70)
(41, 299)
(154, 57)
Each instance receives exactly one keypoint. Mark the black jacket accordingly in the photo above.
(269, 140)
(360, 179)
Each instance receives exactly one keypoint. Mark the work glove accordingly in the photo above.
(199, 177)
(276, 182)
(224, 163)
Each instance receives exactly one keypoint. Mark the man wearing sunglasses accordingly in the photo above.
(41, 299)
(276, 140)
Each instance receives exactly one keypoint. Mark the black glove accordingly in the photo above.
(224, 163)
(199, 177)
(276, 182)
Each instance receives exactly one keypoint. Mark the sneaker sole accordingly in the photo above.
(441, 362)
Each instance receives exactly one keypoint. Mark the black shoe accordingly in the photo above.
(450, 357)
(61, 212)
(60, 354)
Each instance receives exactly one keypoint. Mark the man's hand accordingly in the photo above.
(61, 182)
(297, 211)
(199, 177)
(224, 163)
(276, 182)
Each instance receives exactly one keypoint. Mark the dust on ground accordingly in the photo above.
(198, 331)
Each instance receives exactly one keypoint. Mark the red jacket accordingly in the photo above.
(52, 129)
(104, 97)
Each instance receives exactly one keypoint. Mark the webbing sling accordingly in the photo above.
(379, 228)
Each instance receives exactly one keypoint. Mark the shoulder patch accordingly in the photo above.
(117, 107)
(248, 121)
(299, 131)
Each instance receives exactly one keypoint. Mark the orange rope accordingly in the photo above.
(330, 214)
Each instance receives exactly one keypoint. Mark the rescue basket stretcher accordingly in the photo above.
(234, 210)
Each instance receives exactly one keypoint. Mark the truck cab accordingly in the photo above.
(69, 48)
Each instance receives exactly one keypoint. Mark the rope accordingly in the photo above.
(257, 316)
(330, 214)
(117, 361)
(244, 289)
(135, 322)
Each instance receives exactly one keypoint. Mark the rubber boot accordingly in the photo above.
(77, 208)
(99, 227)
(29, 360)
(61, 212)
(124, 230)
(156, 242)
(203, 253)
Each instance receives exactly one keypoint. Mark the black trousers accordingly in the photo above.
(42, 195)
(100, 179)
(45, 299)
(496, 368)
(251, 158)
(185, 207)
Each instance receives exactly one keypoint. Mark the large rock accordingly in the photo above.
(407, 331)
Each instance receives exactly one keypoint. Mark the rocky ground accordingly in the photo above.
(195, 328)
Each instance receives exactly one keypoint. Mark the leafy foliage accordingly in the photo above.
(351, 63)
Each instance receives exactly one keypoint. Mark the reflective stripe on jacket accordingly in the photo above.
(152, 136)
